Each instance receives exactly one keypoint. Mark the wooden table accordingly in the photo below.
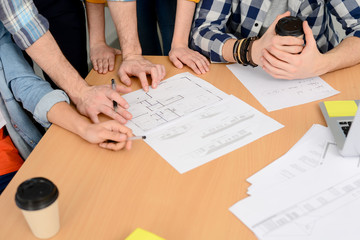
(106, 195)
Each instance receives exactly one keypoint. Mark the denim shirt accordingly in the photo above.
(21, 89)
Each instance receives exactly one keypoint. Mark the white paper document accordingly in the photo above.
(275, 94)
(306, 155)
(319, 199)
(174, 98)
(210, 133)
(189, 122)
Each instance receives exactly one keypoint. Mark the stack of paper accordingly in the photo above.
(309, 193)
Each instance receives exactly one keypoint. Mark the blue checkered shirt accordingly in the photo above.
(216, 21)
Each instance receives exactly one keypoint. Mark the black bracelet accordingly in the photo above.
(235, 50)
(249, 50)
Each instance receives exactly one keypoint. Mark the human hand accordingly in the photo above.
(180, 55)
(103, 57)
(138, 66)
(110, 135)
(270, 40)
(94, 100)
(285, 65)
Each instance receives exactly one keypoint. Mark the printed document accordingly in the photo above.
(189, 122)
(275, 94)
(311, 193)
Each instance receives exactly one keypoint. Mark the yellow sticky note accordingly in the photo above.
(341, 108)
(141, 234)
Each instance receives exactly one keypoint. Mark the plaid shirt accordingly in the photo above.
(22, 19)
(216, 21)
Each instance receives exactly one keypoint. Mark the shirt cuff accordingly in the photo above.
(46, 103)
(29, 28)
(217, 46)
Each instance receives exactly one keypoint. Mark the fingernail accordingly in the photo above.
(126, 106)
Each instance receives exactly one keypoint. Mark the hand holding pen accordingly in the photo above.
(118, 105)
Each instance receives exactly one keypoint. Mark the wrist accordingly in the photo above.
(81, 127)
(76, 94)
(179, 44)
(94, 43)
(131, 56)
(325, 64)
(256, 52)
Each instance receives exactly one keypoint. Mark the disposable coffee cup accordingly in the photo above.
(38, 200)
(290, 26)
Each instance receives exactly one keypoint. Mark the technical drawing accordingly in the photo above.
(303, 216)
(170, 101)
(217, 144)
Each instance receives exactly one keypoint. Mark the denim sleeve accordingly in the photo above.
(22, 19)
(35, 94)
(46, 103)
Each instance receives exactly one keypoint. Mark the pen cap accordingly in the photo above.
(35, 194)
(289, 26)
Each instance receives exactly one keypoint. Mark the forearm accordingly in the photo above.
(227, 50)
(124, 17)
(96, 23)
(65, 116)
(46, 53)
(184, 16)
(346, 54)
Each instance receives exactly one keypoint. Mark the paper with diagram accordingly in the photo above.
(272, 92)
(174, 98)
(311, 193)
(190, 122)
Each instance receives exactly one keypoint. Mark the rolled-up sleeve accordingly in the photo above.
(46, 103)
(208, 33)
(22, 19)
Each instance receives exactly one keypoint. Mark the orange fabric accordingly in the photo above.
(10, 160)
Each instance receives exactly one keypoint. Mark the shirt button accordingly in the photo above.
(31, 142)
(256, 24)
(15, 126)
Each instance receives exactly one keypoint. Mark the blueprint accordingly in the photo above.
(174, 98)
(210, 133)
(189, 122)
